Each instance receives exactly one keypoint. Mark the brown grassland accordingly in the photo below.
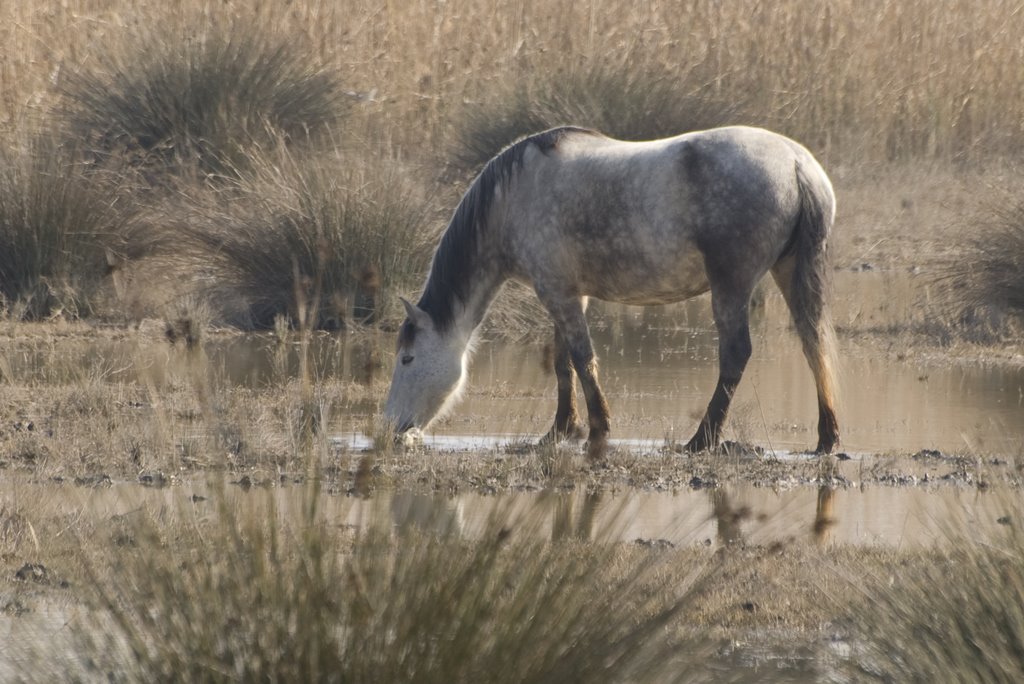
(186, 171)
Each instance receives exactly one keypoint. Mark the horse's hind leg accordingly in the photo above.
(566, 424)
(731, 311)
(816, 338)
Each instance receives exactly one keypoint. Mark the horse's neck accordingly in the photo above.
(486, 284)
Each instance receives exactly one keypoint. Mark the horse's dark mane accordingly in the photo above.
(451, 270)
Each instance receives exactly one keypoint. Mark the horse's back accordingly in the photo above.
(636, 221)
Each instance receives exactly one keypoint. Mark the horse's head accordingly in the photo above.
(430, 370)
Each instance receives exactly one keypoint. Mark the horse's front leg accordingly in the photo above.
(571, 323)
(734, 349)
(567, 424)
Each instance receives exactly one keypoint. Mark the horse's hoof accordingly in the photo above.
(573, 433)
(825, 448)
(597, 446)
(696, 446)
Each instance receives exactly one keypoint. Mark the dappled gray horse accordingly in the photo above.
(577, 214)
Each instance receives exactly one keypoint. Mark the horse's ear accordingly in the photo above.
(418, 316)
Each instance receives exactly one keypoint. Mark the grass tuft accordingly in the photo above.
(983, 282)
(959, 616)
(56, 230)
(179, 95)
(285, 596)
(319, 240)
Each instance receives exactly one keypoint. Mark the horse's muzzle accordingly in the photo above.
(410, 436)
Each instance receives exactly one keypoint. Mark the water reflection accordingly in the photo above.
(824, 516)
(574, 515)
(897, 516)
(659, 367)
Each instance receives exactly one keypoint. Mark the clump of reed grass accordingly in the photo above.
(56, 229)
(982, 283)
(194, 93)
(958, 617)
(323, 240)
(276, 596)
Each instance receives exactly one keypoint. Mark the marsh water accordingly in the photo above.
(41, 641)
(659, 367)
(904, 517)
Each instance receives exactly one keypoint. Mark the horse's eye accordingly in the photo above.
(407, 359)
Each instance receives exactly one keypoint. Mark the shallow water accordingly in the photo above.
(878, 515)
(40, 640)
(658, 366)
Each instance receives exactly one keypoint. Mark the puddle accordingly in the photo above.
(884, 516)
(902, 517)
(659, 367)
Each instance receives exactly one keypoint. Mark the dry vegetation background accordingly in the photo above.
(287, 165)
(269, 156)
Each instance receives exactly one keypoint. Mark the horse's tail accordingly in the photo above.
(804, 276)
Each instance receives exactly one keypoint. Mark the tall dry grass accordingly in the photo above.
(434, 83)
(257, 593)
(872, 80)
(57, 228)
(982, 283)
(959, 618)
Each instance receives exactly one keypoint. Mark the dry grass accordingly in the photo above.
(880, 80)
(210, 88)
(959, 617)
(254, 592)
(323, 237)
(57, 228)
(191, 94)
(982, 284)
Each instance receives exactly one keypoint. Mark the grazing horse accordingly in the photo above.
(576, 214)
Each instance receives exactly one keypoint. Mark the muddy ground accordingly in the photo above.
(87, 407)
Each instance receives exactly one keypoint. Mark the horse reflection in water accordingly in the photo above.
(576, 214)
(729, 517)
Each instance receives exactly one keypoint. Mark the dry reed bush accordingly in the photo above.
(982, 284)
(873, 80)
(56, 229)
(178, 92)
(276, 595)
(958, 618)
(328, 238)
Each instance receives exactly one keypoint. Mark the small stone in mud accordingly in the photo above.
(195, 498)
(1004, 520)
(15, 608)
(245, 483)
(749, 606)
(697, 482)
(35, 572)
(97, 480)
(155, 479)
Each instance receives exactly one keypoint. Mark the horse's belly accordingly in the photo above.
(655, 284)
